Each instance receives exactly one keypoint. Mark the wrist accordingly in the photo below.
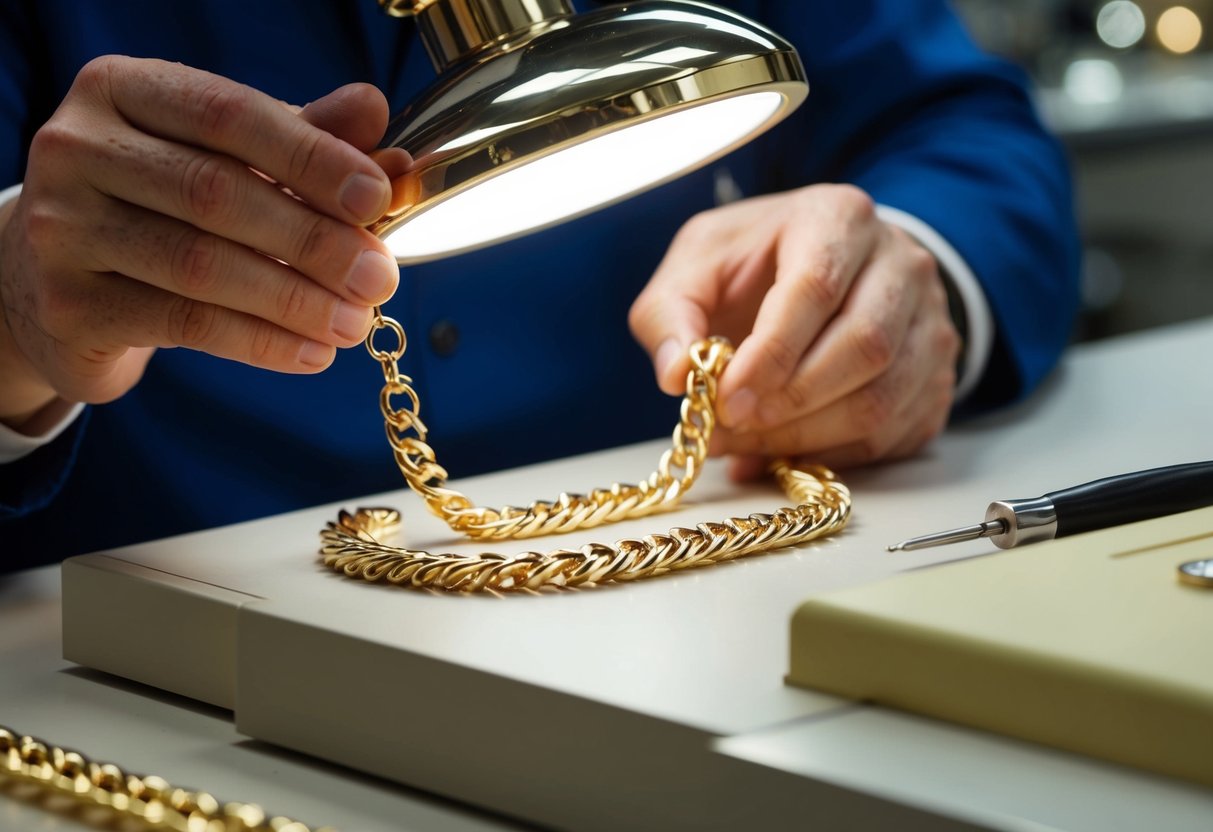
(27, 401)
(41, 421)
(966, 299)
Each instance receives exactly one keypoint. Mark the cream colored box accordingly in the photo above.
(1089, 643)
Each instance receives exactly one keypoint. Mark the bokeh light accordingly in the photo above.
(1120, 24)
(1179, 30)
(1093, 81)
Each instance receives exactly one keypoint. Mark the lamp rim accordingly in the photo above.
(438, 177)
(571, 81)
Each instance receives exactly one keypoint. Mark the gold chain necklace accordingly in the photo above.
(352, 543)
(148, 798)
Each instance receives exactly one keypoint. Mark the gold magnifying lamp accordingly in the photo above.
(539, 115)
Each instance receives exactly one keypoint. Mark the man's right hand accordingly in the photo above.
(165, 206)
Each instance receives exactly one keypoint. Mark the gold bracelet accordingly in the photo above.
(150, 799)
(353, 544)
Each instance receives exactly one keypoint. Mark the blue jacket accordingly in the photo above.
(520, 352)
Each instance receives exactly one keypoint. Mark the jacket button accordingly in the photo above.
(444, 337)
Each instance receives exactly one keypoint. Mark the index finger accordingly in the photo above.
(207, 110)
(821, 250)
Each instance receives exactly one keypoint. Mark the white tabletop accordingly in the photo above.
(683, 659)
(194, 746)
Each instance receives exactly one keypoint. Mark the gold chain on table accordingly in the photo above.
(352, 544)
(150, 799)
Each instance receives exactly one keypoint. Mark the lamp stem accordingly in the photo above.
(453, 29)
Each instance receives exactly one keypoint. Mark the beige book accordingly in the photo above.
(1088, 643)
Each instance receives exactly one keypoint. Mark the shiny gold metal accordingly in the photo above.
(136, 801)
(404, 8)
(523, 80)
(456, 29)
(1197, 573)
(353, 544)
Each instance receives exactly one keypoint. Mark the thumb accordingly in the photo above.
(355, 113)
(666, 323)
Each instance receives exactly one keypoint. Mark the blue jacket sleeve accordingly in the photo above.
(31, 482)
(19, 81)
(904, 105)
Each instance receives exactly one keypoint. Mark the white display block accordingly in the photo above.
(599, 707)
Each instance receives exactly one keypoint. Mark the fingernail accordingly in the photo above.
(351, 322)
(372, 277)
(667, 354)
(365, 197)
(315, 354)
(740, 407)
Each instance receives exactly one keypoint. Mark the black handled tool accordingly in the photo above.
(1108, 502)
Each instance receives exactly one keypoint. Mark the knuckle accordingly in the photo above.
(874, 345)
(195, 264)
(263, 341)
(639, 315)
(192, 323)
(793, 398)
(98, 73)
(823, 285)
(54, 139)
(292, 302)
(920, 263)
(44, 227)
(853, 201)
(216, 106)
(306, 156)
(207, 190)
(317, 240)
(780, 354)
(698, 230)
(57, 310)
(873, 410)
(947, 341)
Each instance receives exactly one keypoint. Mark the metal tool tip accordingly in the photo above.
(989, 528)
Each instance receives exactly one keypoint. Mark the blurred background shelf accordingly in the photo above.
(1128, 86)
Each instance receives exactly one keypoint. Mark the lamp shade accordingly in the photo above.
(539, 115)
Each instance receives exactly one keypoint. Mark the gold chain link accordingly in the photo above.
(150, 799)
(352, 544)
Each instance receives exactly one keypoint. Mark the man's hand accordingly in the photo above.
(846, 351)
(165, 206)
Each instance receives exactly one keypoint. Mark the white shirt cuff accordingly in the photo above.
(980, 340)
(10, 193)
(14, 445)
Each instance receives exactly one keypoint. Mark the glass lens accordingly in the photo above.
(583, 177)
